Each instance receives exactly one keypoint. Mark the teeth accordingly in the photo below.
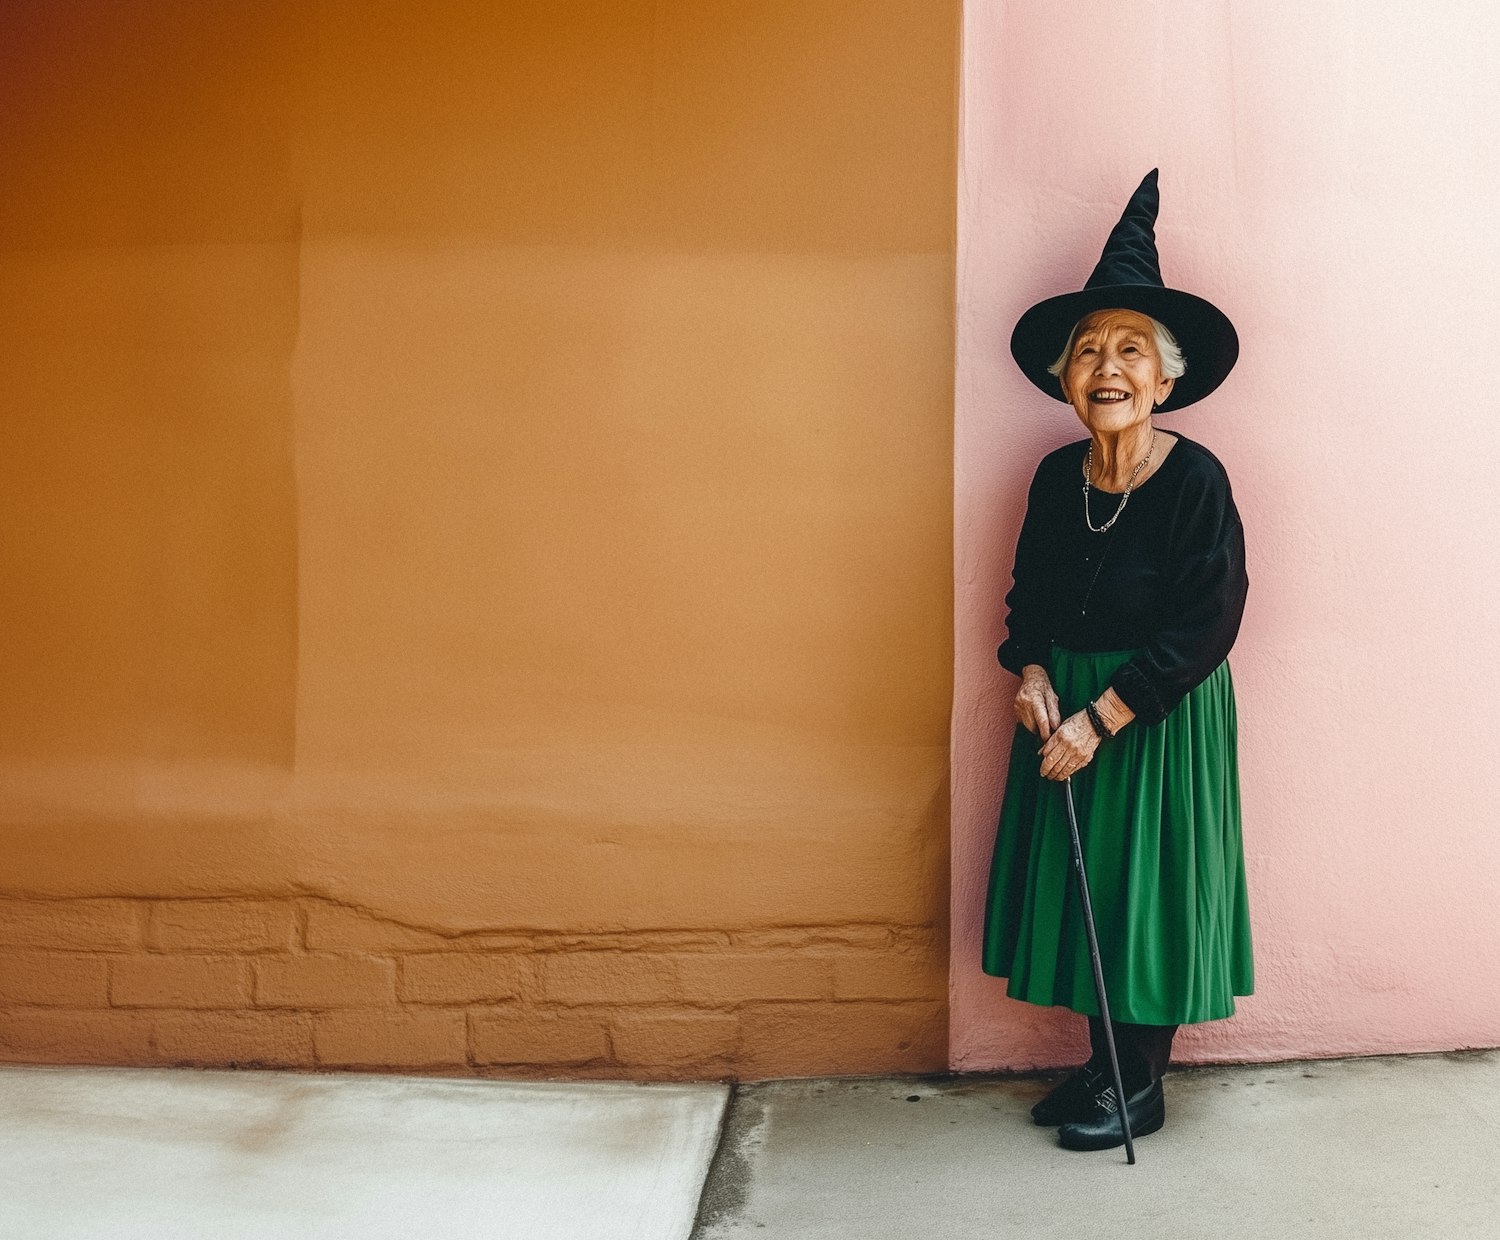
(1104, 394)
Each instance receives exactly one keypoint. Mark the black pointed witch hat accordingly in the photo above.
(1128, 277)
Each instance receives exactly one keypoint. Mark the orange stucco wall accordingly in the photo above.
(477, 507)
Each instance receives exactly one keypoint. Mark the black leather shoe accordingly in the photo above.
(1073, 1099)
(1101, 1129)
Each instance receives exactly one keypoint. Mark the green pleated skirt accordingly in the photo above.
(1159, 820)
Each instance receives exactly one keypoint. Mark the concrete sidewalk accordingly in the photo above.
(1400, 1147)
(1377, 1147)
(162, 1154)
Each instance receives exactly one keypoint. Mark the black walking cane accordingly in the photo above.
(1088, 921)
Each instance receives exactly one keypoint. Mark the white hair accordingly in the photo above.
(1167, 348)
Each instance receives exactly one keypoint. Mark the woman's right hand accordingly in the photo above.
(1036, 701)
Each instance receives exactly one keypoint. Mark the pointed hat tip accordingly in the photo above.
(1145, 200)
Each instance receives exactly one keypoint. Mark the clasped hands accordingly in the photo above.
(1069, 744)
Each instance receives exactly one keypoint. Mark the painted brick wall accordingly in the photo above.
(309, 982)
(469, 467)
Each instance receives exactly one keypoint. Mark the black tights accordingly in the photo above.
(1144, 1051)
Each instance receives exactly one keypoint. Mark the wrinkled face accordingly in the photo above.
(1113, 375)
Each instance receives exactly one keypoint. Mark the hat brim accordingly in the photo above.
(1210, 345)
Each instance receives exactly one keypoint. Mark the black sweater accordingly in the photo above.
(1167, 579)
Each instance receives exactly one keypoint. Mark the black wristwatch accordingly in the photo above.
(1093, 713)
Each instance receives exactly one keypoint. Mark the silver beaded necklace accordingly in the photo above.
(1088, 475)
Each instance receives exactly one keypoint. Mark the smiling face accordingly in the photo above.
(1113, 375)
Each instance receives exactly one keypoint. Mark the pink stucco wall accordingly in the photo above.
(1328, 176)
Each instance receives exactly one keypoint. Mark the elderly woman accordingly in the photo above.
(1120, 620)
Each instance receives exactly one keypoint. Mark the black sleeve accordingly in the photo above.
(1202, 606)
(1028, 640)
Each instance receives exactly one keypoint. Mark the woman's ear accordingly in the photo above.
(1164, 389)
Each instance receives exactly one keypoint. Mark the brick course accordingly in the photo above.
(525, 1036)
(305, 982)
(458, 977)
(315, 982)
(671, 1037)
(222, 925)
(374, 1040)
(72, 925)
(93, 1036)
(180, 982)
(57, 978)
(240, 1039)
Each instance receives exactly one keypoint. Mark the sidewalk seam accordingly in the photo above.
(703, 1213)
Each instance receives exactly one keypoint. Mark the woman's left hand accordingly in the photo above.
(1070, 748)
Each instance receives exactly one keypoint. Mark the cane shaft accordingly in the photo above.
(1088, 923)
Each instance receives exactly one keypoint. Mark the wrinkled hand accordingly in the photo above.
(1036, 701)
(1070, 748)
